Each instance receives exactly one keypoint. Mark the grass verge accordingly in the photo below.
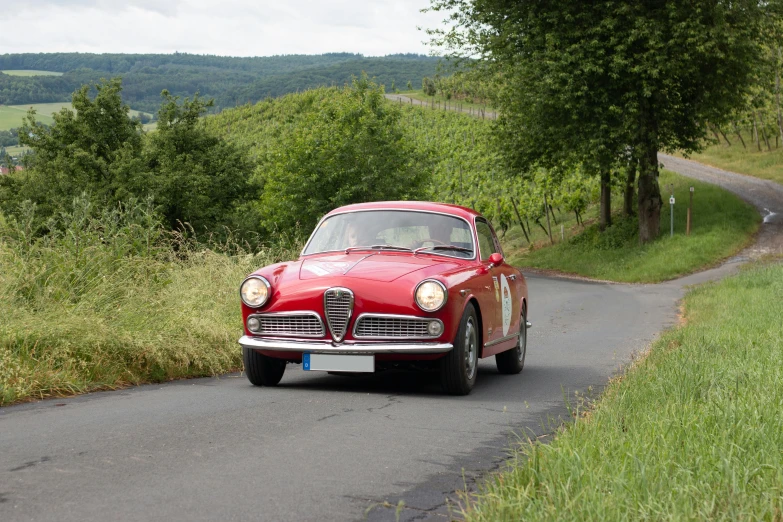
(111, 300)
(722, 225)
(752, 160)
(692, 432)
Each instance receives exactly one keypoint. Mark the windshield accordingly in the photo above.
(393, 230)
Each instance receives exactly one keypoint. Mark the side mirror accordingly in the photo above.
(496, 259)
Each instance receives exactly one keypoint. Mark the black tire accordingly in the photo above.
(262, 370)
(458, 369)
(513, 361)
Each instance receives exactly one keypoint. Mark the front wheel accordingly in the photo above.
(458, 369)
(512, 361)
(262, 370)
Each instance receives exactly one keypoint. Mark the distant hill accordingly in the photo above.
(230, 81)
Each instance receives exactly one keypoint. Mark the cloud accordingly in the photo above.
(229, 27)
(168, 8)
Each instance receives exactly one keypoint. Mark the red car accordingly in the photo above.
(382, 284)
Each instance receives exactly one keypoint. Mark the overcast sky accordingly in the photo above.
(221, 27)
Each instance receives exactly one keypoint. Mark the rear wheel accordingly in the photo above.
(458, 369)
(513, 360)
(262, 370)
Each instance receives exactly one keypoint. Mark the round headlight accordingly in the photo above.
(435, 328)
(255, 291)
(430, 295)
(253, 324)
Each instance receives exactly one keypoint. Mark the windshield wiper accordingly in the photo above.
(445, 247)
(379, 247)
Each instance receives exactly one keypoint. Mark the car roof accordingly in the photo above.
(445, 208)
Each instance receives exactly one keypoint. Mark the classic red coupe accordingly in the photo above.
(384, 284)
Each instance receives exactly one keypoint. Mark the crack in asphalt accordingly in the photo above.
(31, 464)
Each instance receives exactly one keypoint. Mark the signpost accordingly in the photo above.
(671, 205)
(690, 207)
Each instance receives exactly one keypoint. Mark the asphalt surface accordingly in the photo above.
(321, 447)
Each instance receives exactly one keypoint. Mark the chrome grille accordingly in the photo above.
(392, 327)
(338, 306)
(290, 324)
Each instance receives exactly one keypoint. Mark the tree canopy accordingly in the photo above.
(353, 149)
(589, 81)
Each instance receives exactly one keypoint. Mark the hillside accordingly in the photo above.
(230, 81)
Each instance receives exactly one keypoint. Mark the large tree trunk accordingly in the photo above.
(605, 218)
(630, 191)
(649, 192)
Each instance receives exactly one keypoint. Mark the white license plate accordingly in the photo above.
(328, 362)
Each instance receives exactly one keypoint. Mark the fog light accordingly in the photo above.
(435, 328)
(253, 324)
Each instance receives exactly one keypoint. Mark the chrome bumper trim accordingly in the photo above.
(287, 345)
(529, 324)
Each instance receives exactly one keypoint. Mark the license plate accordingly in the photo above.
(328, 362)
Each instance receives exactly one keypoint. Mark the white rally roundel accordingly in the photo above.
(505, 293)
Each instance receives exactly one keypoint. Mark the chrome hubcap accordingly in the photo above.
(471, 349)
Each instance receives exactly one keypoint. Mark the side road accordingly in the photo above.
(766, 196)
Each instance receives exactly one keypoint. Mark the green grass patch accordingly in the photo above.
(26, 72)
(110, 300)
(17, 150)
(11, 116)
(764, 163)
(722, 225)
(692, 432)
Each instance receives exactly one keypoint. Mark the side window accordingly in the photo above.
(486, 240)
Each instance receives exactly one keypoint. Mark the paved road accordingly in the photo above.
(319, 447)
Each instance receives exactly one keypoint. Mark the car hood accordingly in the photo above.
(368, 265)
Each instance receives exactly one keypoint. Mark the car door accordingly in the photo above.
(489, 297)
(509, 311)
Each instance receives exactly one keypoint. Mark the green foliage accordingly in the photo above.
(692, 432)
(351, 150)
(86, 149)
(428, 86)
(193, 176)
(585, 82)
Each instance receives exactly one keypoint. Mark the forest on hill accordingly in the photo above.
(230, 81)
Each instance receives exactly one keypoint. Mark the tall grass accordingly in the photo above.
(107, 299)
(694, 432)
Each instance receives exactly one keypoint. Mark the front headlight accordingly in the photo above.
(431, 295)
(255, 291)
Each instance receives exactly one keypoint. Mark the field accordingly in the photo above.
(11, 116)
(17, 72)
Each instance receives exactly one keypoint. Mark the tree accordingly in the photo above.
(351, 150)
(585, 80)
(195, 176)
(84, 150)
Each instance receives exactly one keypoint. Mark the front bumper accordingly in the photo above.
(347, 347)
